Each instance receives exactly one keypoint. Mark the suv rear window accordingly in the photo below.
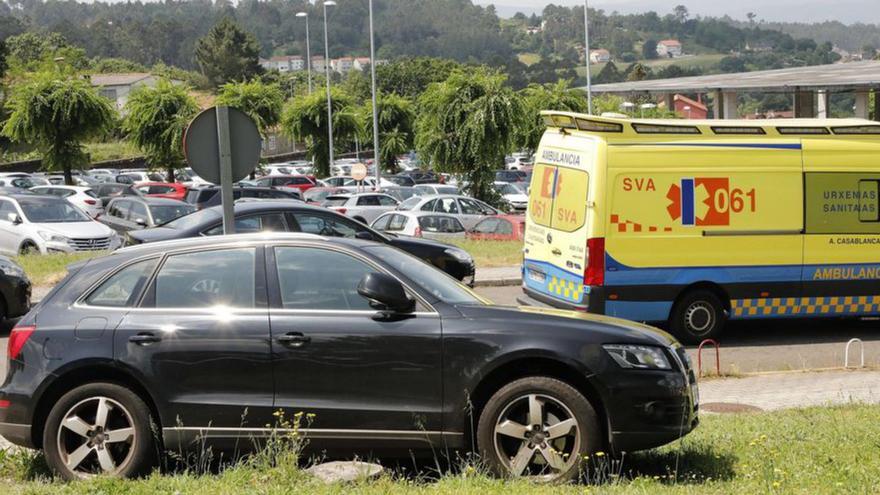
(123, 288)
(335, 201)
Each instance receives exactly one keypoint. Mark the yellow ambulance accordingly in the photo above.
(695, 222)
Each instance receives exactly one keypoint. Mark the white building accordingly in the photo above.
(285, 63)
(342, 65)
(361, 63)
(669, 48)
(600, 56)
(318, 64)
(117, 87)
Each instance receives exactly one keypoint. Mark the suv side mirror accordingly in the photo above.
(15, 218)
(141, 222)
(387, 291)
(364, 236)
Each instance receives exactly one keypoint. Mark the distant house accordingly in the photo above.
(342, 65)
(285, 63)
(117, 87)
(669, 48)
(318, 64)
(361, 63)
(600, 56)
(533, 29)
(687, 108)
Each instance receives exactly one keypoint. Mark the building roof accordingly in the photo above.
(121, 79)
(849, 76)
(285, 58)
(599, 50)
(688, 101)
(669, 42)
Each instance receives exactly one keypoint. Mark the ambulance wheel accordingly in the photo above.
(697, 316)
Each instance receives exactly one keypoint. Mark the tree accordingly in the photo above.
(410, 77)
(559, 96)
(649, 49)
(396, 128)
(467, 125)
(262, 102)
(57, 115)
(3, 54)
(609, 74)
(155, 120)
(637, 72)
(228, 53)
(305, 119)
(681, 14)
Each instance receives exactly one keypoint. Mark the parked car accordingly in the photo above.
(30, 223)
(15, 290)
(134, 213)
(533, 403)
(275, 169)
(510, 176)
(400, 193)
(423, 176)
(208, 196)
(337, 181)
(21, 182)
(79, 196)
(170, 190)
(420, 224)
(514, 194)
(518, 161)
(468, 210)
(317, 195)
(298, 217)
(78, 180)
(500, 228)
(110, 190)
(363, 207)
(302, 183)
(429, 189)
(142, 176)
(402, 180)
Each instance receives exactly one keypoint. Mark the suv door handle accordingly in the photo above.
(294, 340)
(144, 339)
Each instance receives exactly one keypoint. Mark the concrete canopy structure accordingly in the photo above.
(810, 87)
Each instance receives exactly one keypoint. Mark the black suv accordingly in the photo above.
(205, 338)
(289, 216)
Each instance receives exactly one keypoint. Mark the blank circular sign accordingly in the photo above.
(201, 145)
(358, 171)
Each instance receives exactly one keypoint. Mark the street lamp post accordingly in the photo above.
(376, 155)
(587, 58)
(328, 3)
(308, 48)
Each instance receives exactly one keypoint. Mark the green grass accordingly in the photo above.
(529, 58)
(49, 269)
(817, 450)
(488, 254)
(705, 61)
(99, 152)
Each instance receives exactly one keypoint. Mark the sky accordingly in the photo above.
(846, 11)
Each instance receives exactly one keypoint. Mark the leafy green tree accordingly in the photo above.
(156, 118)
(305, 119)
(262, 102)
(31, 47)
(56, 115)
(228, 53)
(609, 74)
(410, 77)
(3, 54)
(396, 128)
(559, 96)
(649, 49)
(467, 124)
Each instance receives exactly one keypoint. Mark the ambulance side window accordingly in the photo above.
(842, 203)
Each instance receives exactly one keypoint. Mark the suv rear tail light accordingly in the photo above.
(17, 338)
(418, 232)
(340, 210)
(90, 202)
(594, 273)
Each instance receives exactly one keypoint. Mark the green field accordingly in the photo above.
(529, 58)
(809, 451)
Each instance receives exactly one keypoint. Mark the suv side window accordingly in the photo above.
(6, 207)
(206, 279)
(325, 225)
(320, 279)
(429, 206)
(122, 209)
(123, 288)
(267, 222)
(368, 201)
(382, 222)
(447, 205)
(387, 201)
(398, 223)
(138, 211)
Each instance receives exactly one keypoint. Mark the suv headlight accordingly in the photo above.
(460, 255)
(638, 356)
(52, 237)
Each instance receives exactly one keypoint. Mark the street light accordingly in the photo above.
(587, 58)
(328, 3)
(376, 160)
(308, 49)
(646, 106)
(627, 106)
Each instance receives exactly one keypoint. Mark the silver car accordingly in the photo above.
(420, 224)
(364, 207)
(468, 210)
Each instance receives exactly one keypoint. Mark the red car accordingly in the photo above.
(499, 228)
(301, 182)
(171, 190)
(317, 195)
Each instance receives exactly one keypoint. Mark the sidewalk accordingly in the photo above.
(498, 276)
(774, 391)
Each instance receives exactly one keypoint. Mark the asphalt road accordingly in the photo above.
(748, 346)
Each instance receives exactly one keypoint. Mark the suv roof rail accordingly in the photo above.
(221, 239)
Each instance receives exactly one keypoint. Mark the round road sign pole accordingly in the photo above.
(225, 149)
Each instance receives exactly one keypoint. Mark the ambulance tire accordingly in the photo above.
(698, 315)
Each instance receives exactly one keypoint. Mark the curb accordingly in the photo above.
(498, 282)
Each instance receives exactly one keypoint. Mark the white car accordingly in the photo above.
(364, 207)
(420, 224)
(368, 184)
(18, 181)
(518, 161)
(79, 196)
(514, 193)
(30, 223)
(429, 189)
(468, 210)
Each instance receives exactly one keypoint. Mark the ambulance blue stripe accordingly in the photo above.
(768, 146)
(687, 201)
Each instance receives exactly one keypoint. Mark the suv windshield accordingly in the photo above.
(50, 210)
(430, 279)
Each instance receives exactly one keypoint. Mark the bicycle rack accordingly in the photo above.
(846, 353)
(717, 356)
